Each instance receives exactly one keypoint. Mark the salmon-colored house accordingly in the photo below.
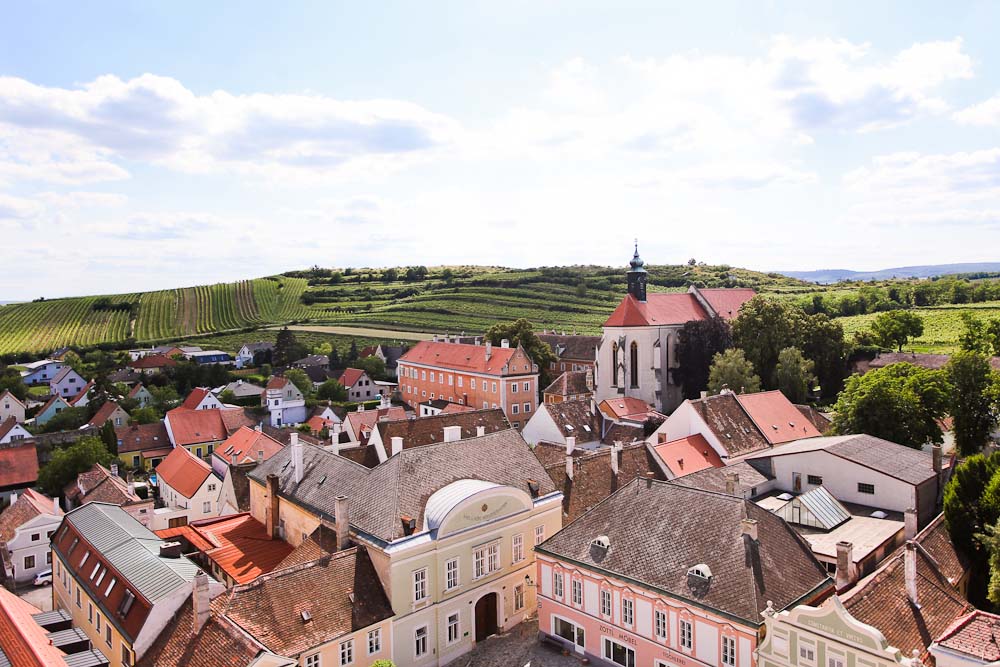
(661, 575)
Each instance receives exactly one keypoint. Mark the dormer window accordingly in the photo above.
(701, 571)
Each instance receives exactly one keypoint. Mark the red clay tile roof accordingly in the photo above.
(688, 455)
(195, 398)
(317, 423)
(367, 351)
(236, 418)
(363, 423)
(976, 635)
(142, 437)
(660, 309)
(776, 417)
(183, 471)
(219, 644)
(569, 383)
(241, 546)
(349, 377)
(22, 640)
(460, 357)
(726, 302)
(270, 607)
(192, 536)
(625, 407)
(815, 417)
(29, 505)
(103, 414)
(83, 392)
(152, 361)
(730, 423)
(135, 390)
(276, 382)
(456, 408)
(191, 427)
(18, 466)
(7, 426)
(934, 538)
(245, 445)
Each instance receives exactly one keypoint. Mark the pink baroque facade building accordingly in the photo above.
(660, 575)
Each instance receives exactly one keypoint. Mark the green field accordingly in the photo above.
(446, 299)
(942, 325)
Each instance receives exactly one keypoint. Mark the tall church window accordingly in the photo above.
(634, 364)
(614, 364)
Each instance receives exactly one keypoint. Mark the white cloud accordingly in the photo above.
(18, 208)
(984, 113)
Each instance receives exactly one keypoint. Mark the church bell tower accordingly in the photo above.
(637, 277)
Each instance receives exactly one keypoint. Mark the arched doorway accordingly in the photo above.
(486, 616)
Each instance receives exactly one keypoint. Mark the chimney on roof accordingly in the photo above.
(233, 459)
(615, 448)
(845, 566)
(480, 431)
(936, 458)
(409, 524)
(704, 394)
(130, 481)
(341, 511)
(589, 381)
(748, 527)
(910, 524)
(732, 483)
(452, 433)
(258, 427)
(489, 350)
(385, 403)
(361, 407)
(114, 469)
(570, 445)
(271, 515)
(397, 445)
(55, 505)
(297, 456)
(910, 572)
(338, 427)
(569, 467)
(170, 550)
(200, 601)
(504, 343)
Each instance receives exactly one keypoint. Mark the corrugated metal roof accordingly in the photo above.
(89, 658)
(132, 549)
(824, 507)
(447, 497)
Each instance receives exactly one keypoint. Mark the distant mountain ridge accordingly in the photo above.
(827, 276)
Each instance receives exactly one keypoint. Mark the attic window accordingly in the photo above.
(533, 488)
(774, 426)
(586, 428)
(306, 616)
(126, 604)
(601, 542)
(321, 480)
(701, 571)
(569, 427)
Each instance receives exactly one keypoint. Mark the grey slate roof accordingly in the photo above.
(132, 549)
(903, 463)
(658, 530)
(565, 346)
(402, 484)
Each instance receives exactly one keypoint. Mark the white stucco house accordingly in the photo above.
(25, 528)
(188, 488)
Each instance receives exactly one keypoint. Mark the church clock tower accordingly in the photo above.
(637, 277)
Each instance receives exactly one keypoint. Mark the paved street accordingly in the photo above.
(518, 648)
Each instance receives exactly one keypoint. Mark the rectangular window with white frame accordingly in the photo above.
(618, 654)
(451, 574)
(485, 559)
(346, 652)
(314, 660)
(577, 587)
(539, 534)
(686, 638)
(729, 651)
(628, 611)
(606, 603)
(660, 624)
(454, 630)
(420, 641)
(519, 597)
(374, 641)
(557, 587)
(420, 585)
(527, 408)
(517, 548)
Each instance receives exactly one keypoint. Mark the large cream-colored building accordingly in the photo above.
(449, 527)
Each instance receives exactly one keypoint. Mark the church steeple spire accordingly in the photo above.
(636, 276)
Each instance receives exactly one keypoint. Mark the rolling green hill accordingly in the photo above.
(441, 299)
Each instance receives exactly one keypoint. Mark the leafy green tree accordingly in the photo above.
(164, 398)
(697, 344)
(974, 337)
(67, 420)
(822, 342)
(334, 358)
(352, 353)
(109, 437)
(69, 462)
(298, 377)
(895, 328)
(973, 405)
(765, 327)
(900, 402)
(520, 333)
(990, 540)
(372, 365)
(146, 415)
(287, 348)
(390, 276)
(331, 390)
(383, 663)
(731, 370)
(10, 380)
(965, 513)
(795, 375)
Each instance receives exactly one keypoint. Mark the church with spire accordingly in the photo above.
(637, 355)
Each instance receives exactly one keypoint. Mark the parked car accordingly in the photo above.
(43, 578)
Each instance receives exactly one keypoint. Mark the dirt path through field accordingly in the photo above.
(360, 331)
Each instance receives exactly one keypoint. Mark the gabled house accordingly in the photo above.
(198, 431)
(18, 469)
(52, 407)
(573, 352)
(358, 385)
(66, 383)
(10, 406)
(246, 445)
(100, 484)
(971, 641)
(360, 423)
(555, 422)
(42, 371)
(187, 487)
(313, 361)
(109, 412)
(151, 363)
(249, 353)
(284, 402)
(143, 445)
(82, 398)
(201, 398)
(11, 431)
(389, 354)
(240, 390)
(141, 395)
(25, 528)
(570, 386)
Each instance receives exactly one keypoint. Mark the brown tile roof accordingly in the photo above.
(236, 418)
(881, 600)
(692, 527)
(593, 479)
(569, 383)
(321, 542)
(276, 382)
(183, 471)
(714, 479)
(246, 444)
(220, 643)
(776, 417)
(622, 432)
(7, 426)
(428, 430)
(29, 505)
(363, 423)
(624, 407)
(112, 489)
(23, 642)
(364, 454)
(550, 453)
(241, 546)
(731, 424)
(18, 466)
(104, 413)
(575, 419)
(270, 608)
(241, 484)
(142, 437)
(936, 541)
(977, 635)
(572, 347)
(86, 481)
(152, 361)
(403, 483)
(815, 417)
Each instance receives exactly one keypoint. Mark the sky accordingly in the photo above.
(158, 145)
